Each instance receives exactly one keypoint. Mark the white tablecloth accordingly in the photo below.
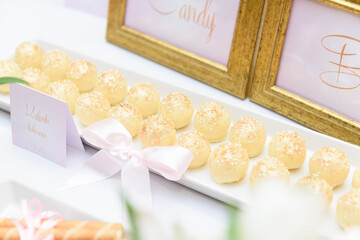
(51, 21)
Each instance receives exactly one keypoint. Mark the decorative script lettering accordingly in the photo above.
(202, 17)
(342, 76)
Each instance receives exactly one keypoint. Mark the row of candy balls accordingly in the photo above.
(328, 168)
(42, 70)
(228, 162)
(175, 111)
(54, 73)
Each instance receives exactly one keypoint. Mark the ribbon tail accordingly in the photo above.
(170, 162)
(135, 181)
(101, 166)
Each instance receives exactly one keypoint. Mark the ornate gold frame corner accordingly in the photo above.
(232, 78)
(262, 89)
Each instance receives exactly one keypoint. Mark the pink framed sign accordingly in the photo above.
(329, 44)
(310, 70)
(210, 40)
(205, 27)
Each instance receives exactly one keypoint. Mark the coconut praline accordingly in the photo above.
(348, 209)
(83, 74)
(157, 130)
(113, 85)
(331, 164)
(55, 64)
(28, 54)
(66, 91)
(228, 163)
(178, 108)
(91, 107)
(128, 115)
(144, 96)
(289, 147)
(213, 120)
(197, 143)
(268, 169)
(316, 185)
(250, 133)
(36, 78)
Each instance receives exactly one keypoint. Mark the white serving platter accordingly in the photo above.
(12, 193)
(200, 179)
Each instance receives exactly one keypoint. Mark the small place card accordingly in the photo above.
(42, 124)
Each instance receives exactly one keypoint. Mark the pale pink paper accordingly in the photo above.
(160, 19)
(305, 59)
(48, 137)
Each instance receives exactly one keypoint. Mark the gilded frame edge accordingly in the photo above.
(262, 83)
(232, 78)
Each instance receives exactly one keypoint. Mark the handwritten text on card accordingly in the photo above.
(42, 124)
(40, 119)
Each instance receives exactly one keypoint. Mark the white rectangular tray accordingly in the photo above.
(12, 193)
(200, 179)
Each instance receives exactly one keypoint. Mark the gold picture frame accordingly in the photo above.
(232, 78)
(262, 88)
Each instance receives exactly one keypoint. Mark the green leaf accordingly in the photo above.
(135, 234)
(233, 232)
(6, 80)
(179, 233)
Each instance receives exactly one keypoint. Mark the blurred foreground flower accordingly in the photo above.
(147, 226)
(281, 212)
(277, 211)
(353, 233)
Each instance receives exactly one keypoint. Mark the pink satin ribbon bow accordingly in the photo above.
(117, 155)
(36, 219)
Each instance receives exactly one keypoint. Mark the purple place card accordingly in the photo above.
(42, 124)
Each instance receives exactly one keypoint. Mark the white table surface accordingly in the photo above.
(85, 33)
